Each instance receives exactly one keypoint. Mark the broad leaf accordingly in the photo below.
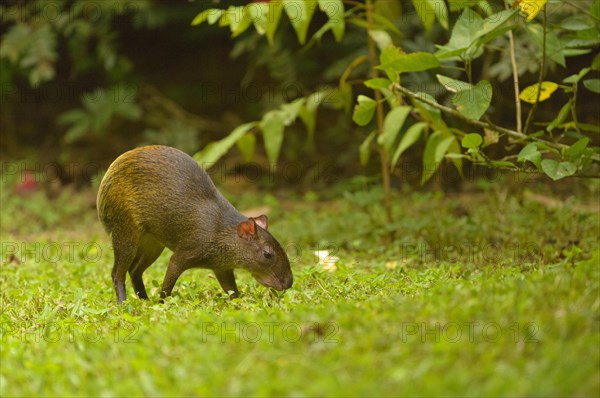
(211, 16)
(335, 12)
(435, 149)
(471, 101)
(560, 119)
(530, 153)
(364, 110)
(554, 48)
(531, 8)
(246, 145)
(392, 124)
(464, 32)
(429, 10)
(272, 125)
(557, 170)
(300, 13)
(364, 151)
(389, 55)
(273, 18)
(381, 37)
(471, 141)
(408, 139)
(593, 85)
(378, 83)
(291, 110)
(215, 150)
(575, 151)
(471, 31)
(413, 62)
(577, 77)
(530, 94)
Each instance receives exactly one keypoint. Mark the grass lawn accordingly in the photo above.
(489, 294)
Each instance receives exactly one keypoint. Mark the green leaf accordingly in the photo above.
(471, 31)
(364, 110)
(560, 119)
(378, 83)
(215, 150)
(575, 151)
(73, 116)
(408, 139)
(457, 161)
(554, 48)
(413, 62)
(593, 85)
(272, 126)
(300, 13)
(577, 77)
(335, 12)
(530, 153)
(557, 170)
(211, 15)
(273, 18)
(429, 10)
(308, 115)
(364, 151)
(457, 5)
(596, 61)
(291, 110)
(492, 26)
(471, 101)
(336, 20)
(392, 124)
(577, 22)
(464, 32)
(503, 164)
(381, 37)
(258, 14)
(389, 55)
(427, 111)
(471, 141)
(77, 131)
(246, 145)
(436, 147)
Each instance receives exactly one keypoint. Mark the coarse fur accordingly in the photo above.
(155, 197)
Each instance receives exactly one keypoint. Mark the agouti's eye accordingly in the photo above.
(268, 253)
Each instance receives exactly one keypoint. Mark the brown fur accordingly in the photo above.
(155, 197)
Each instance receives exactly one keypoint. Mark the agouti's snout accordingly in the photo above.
(155, 197)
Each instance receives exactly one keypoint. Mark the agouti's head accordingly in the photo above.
(262, 255)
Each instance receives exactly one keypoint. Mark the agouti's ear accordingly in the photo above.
(246, 229)
(262, 221)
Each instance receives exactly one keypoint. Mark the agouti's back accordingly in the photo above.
(157, 196)
(162, 191)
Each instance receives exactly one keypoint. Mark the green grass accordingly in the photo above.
(480, 295)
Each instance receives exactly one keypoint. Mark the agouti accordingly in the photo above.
(157, 196)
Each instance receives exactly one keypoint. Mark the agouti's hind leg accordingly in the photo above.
(148, 251)
(125, 247)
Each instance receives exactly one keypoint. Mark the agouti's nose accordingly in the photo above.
(287, 282)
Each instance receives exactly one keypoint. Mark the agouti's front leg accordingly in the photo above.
(177, 265)
(227, 281)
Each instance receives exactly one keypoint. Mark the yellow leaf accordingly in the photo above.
(531, 8)
(530, 94)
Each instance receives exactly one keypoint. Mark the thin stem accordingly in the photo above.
(587, 12)
(574, 108)
(384, 156)
(477, 123)
(515, 71)
(541, 75)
